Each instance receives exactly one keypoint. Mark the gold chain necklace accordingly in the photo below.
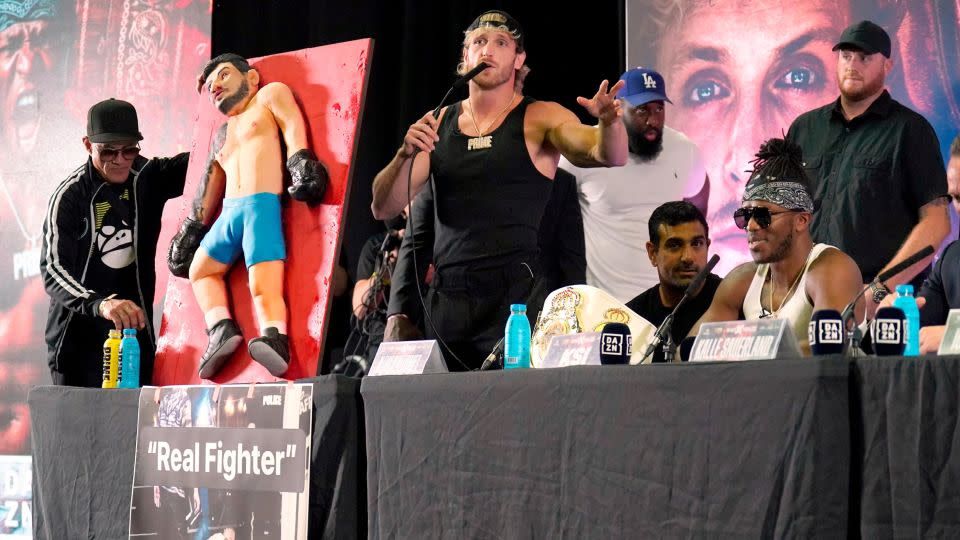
(482, 141)
(774, 312)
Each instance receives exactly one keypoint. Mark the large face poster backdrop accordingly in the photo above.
(740, 71)
(58, 57)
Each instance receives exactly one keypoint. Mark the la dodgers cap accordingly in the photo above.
(642, 86)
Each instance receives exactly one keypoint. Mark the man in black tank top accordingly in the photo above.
(492, 157)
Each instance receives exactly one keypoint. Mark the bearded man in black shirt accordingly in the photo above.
(875, 166)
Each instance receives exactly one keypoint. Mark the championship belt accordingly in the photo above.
(582, 308)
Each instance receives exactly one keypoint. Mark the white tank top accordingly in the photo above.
(797, 309)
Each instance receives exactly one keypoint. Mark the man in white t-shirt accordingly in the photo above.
(664, 165)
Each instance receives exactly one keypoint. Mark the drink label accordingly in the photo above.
(106, 365)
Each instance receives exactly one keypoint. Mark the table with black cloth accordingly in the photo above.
(906, 447)
(727, 450)
(84, 443)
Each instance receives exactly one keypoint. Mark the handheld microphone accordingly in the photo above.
(494, 360)
(889, 332)
(667, 323)
(463, 80)
(685, 347)
(616, 344)
(468, 76)
(825, 332)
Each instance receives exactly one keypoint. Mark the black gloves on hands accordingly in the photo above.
(309, 177)
(183, 246)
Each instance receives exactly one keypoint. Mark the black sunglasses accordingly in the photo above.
(110, 154)
(762, 215)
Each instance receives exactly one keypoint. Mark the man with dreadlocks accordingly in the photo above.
(790, 276)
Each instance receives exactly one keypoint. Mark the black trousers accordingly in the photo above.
(469, 307)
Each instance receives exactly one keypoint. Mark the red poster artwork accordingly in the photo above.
(58, 57)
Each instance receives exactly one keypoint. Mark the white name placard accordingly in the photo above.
(573, 350)
(408, 358)
(759, 339)
(951, 336)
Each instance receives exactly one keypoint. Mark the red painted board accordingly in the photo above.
(328, 83)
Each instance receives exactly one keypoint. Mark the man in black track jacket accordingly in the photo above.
(99, 242)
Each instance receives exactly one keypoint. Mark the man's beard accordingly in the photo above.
(869, 88)
(502, 75)
(780, 253)
(680, 284)
(640, 146)
(231, 101)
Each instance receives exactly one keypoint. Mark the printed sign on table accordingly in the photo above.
(761, 339)
(223, 462)
(951, 335)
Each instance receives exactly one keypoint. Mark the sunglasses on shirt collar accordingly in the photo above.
(762, 215)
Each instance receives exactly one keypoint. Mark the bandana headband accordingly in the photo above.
(790, 195)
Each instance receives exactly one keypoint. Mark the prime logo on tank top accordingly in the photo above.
(480, 143)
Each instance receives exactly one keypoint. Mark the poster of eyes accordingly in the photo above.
(740, 71)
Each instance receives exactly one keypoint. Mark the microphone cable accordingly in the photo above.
(413, 249)
(413, 238)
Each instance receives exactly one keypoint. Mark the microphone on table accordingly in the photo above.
(494, 360)
(665, 326)
(904, 264)
(855, 334)
(616, 344)
(888, 332)
(825, 332)
(463, 80)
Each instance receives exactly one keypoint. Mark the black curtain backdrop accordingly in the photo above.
(416, 49)
(415, 53)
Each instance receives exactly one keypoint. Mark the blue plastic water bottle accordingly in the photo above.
(908, 304)
(129, 360)
(516, 349)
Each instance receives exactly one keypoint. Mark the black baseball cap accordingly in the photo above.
(865, 36)
(112, 120)
(499, 20)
